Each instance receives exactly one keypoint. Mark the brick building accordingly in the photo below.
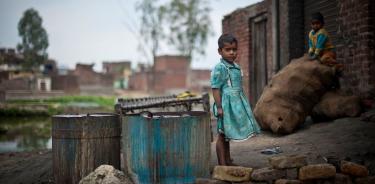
(120, 70)
(272, 32)
(91, 82)
(170, 74)
(199, 80)
(140, 78)
(87, 76)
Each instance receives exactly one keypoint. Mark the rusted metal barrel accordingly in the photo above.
(169, 147)
(81, 143)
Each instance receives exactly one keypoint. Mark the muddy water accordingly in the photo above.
(25, 134)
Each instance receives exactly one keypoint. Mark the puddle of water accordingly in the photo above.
(25, 134)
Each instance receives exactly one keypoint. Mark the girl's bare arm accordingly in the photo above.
(217, 98)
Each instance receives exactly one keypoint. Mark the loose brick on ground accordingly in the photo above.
(267, 174)
(353, 169)
(317, 171)
(284, 162)
(232, 173)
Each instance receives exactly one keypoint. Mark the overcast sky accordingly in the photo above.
(92, 31)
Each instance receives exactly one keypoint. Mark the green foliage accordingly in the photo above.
(190, 25)
(99, 100)
(152, 17)
(57, 105)
(34, 40)
(16, 112)
(188, 22)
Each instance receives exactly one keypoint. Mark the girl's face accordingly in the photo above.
(316, 25)
(229, 51)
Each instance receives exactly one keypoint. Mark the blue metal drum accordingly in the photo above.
(166, 147)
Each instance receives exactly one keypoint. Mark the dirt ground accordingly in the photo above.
(347, 138)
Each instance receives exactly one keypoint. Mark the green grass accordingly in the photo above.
(15, 112)
(99, 100)
(56, 105)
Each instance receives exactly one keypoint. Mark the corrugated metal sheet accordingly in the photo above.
(168, 148)
(329, 9)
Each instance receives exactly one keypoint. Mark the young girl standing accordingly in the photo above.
(235, 118)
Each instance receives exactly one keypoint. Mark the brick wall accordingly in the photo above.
(171, 63)
(291, 30)
(237, 23)
(199, 80)
(170, 81)
(170, 73)
(294, 30)
(139, 81)
(87, 76)
(356, 31)
(66, 83)
(16, 84)
(356, 49)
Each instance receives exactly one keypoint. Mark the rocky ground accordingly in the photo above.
(345, 139)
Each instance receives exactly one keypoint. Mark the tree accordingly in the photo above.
(190, 26)
(188, 20)
(151, 29)
(34, 40)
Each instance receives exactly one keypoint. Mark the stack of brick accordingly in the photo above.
(292, 170)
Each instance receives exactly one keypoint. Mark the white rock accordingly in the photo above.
(106, 174)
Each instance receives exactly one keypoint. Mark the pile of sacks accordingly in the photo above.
(301, 89)
(293, 169)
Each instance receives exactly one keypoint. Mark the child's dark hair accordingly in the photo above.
(317, 16)
(226, 38)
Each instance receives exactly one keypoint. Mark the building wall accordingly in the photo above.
(238, 24)
(66, 83)
(87, 76)
(199, 80)
(356, 31)
(171, 63)
(170, 74)
(139, 81)
(17, 84)
(356, 51)
(170, 82)
(292, 34)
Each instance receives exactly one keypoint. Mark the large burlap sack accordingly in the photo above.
(291, 95)
(335, 104)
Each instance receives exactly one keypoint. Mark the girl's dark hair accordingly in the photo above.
(226, 38)
(317, 16)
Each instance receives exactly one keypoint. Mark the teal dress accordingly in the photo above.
(238, 122)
